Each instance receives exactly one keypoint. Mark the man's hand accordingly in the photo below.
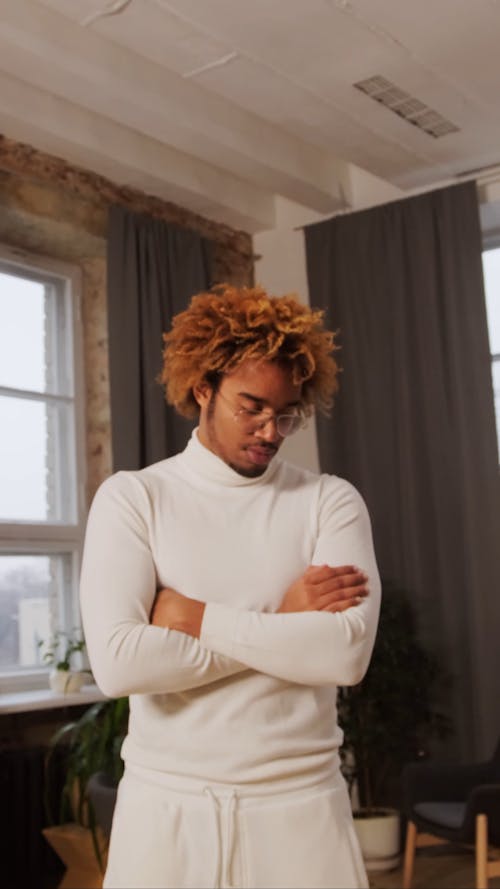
(177, 612)
(322, 588)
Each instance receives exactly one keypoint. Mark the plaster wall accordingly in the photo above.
(280, 266)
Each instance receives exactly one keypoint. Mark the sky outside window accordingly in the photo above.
(24, 443)
(22, 338)
(491, 268)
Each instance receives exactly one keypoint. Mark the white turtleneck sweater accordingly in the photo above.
(254, 699)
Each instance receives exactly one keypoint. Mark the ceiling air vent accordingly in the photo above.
(405, 106)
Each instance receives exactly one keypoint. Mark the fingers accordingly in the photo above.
(353, 595)
(334, 588)
(324, 587)
(339, 588)
(317, 573)
(340, 584)
(343, 605)
(324, 579)
(336, 600)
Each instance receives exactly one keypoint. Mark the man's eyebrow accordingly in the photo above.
(260, 400)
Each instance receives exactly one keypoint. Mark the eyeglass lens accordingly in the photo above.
(286, 424)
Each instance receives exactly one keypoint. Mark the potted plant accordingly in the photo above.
(89, 745)
(58, 653)
(388, 720)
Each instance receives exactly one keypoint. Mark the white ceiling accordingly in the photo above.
(223, 105)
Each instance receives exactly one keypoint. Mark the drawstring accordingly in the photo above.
(220, 865)
(230, 835)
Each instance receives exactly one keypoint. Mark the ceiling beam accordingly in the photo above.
(125, 156)
(77, 64)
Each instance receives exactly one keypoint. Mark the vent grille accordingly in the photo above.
(410, 109)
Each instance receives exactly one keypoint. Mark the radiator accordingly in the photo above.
(27, 861)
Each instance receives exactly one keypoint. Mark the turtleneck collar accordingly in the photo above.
(210, 467)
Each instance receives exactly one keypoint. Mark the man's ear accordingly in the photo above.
(202, 393)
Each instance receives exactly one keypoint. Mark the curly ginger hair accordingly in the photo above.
(228, 325)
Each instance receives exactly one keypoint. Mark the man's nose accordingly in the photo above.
(268, 431)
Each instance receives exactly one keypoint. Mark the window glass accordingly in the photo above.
(22, 333)
(496, 393)
(491, 267)
(36, 450)
(41, 515)
(32, 592)
(491, 270)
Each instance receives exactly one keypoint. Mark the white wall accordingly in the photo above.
(280, 267)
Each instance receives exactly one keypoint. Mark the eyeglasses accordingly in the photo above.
(251, 420)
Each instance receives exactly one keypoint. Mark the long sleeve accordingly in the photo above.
(312, 648)
(117, 589)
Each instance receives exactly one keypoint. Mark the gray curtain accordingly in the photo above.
(413, 427)
(153, 270)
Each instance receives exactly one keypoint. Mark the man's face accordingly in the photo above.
(254, 386)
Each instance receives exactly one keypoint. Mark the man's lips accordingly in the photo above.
(260, 454)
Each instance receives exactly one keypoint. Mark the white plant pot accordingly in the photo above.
(379, 838)
(65, 682)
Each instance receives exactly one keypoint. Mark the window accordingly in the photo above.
(41, 461)
(491, 269)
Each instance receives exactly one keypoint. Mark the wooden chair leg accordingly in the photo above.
(411, 842)
(481, 852)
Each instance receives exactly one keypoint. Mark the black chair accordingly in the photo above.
(454, 804)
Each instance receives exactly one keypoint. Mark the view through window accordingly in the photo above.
(491, 269)
(40, 456)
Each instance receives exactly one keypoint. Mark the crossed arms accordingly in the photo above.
(320, 588)
(143, 642)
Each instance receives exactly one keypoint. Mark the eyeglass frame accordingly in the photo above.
(252, 414)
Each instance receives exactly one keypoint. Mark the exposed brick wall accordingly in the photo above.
(95, 193)
(51, 208)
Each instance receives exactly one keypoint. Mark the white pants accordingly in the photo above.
(221, 837)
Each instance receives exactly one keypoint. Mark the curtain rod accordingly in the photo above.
(491, 175)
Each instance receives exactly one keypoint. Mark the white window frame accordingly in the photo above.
(46, 538)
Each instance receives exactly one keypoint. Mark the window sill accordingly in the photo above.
(45, 699)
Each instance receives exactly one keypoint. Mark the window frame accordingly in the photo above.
(53, 537)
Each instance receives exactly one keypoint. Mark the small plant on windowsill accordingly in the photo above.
(58, 653)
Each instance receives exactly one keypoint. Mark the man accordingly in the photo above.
(229, 593)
